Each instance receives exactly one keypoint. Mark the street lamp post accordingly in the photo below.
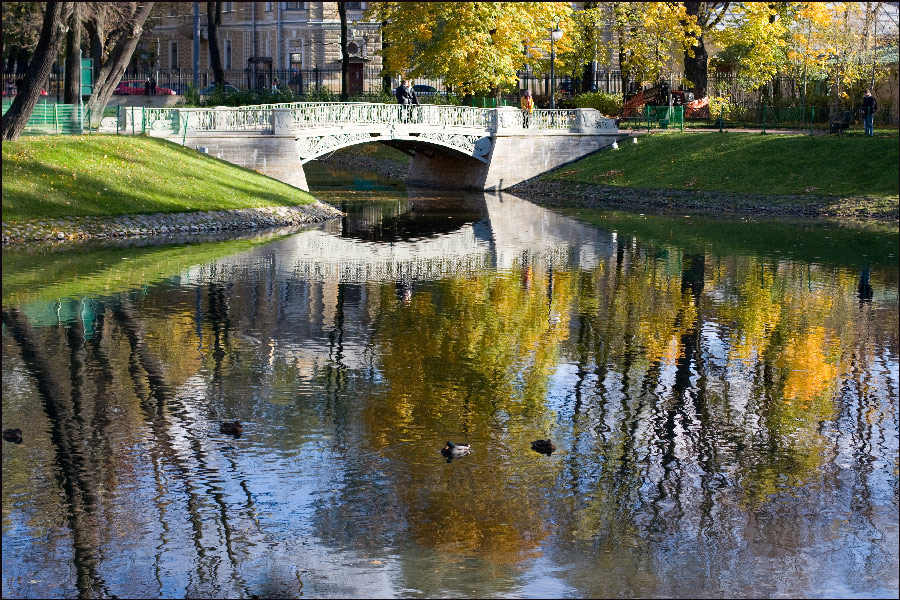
(555, 34)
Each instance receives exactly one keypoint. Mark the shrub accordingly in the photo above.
(607, 104)
(722, 106)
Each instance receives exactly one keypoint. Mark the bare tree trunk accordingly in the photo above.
(695, 67)
(345, 56)
(45, 54)
(387, 84)
(72, 91)
(95, 25)
(111, 71)
(213, 20)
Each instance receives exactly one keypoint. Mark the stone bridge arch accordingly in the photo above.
(311, 147)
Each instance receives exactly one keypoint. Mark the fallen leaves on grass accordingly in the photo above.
(612, 173)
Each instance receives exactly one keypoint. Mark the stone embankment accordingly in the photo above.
(564, 194)
(79, 228)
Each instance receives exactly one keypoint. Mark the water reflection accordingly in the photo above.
(726, 420)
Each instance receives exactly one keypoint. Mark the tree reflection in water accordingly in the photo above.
(726, 421)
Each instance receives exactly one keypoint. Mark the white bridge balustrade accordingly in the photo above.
(447, 142)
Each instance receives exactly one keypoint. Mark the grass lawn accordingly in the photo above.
(751, 163)
(69, 176)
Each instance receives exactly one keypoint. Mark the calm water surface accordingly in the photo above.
(723, 395)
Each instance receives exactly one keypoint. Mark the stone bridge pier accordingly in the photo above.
(453, 147)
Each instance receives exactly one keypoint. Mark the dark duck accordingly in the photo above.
(543, 446)
(232, 428)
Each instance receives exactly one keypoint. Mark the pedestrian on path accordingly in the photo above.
(869, 106)
(527, 107)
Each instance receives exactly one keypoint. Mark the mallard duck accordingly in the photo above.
(452, 450)
(13, 435)
(231, 427)
(543, 446)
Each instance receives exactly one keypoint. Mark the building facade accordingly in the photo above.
(259, 41)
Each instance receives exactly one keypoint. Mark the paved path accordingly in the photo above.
(637, 132)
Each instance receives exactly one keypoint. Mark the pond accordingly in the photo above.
(722, 395)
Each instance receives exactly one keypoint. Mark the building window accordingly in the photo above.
(269, 6)
(354, 5)
(227, 6)
(295, 6)
(226, 60)
(173, 54)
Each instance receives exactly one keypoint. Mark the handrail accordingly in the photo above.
(307, 115)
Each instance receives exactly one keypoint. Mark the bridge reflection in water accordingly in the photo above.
(498, 231)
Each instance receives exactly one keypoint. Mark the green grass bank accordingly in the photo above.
(746, 163)
(47, 177)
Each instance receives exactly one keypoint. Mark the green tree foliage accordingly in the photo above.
(473, 46)
(648, 35)
(608, 104)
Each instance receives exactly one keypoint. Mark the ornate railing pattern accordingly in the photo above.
(330, 113)
(208, 119)
(307, 115)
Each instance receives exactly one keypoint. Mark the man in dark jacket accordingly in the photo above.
(869, 106)
(406, 96)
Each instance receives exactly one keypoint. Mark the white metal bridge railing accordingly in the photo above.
(308, 115)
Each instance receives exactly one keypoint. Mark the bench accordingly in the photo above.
(843, 123)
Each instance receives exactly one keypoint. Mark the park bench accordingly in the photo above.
(839, 125)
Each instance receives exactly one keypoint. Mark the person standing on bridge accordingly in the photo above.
(528, 107)
(406, 96)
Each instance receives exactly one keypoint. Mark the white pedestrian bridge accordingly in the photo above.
(453, 147)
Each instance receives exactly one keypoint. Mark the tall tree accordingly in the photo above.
(127, 34)
(52, 30)
(20, 32)
(387, 83)
(648, 36)
(707, 16)
(72, 90)
(213, 20)
(95, 24)
(345, 54)
(473, 46)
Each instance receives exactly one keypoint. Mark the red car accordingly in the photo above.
(136, 87)
(11, 90)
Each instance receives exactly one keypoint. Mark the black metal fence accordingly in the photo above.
(783, 92)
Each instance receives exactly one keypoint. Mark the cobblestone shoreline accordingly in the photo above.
(562, 194)
(81, 228)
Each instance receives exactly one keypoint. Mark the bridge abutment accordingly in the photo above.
(275, 156)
